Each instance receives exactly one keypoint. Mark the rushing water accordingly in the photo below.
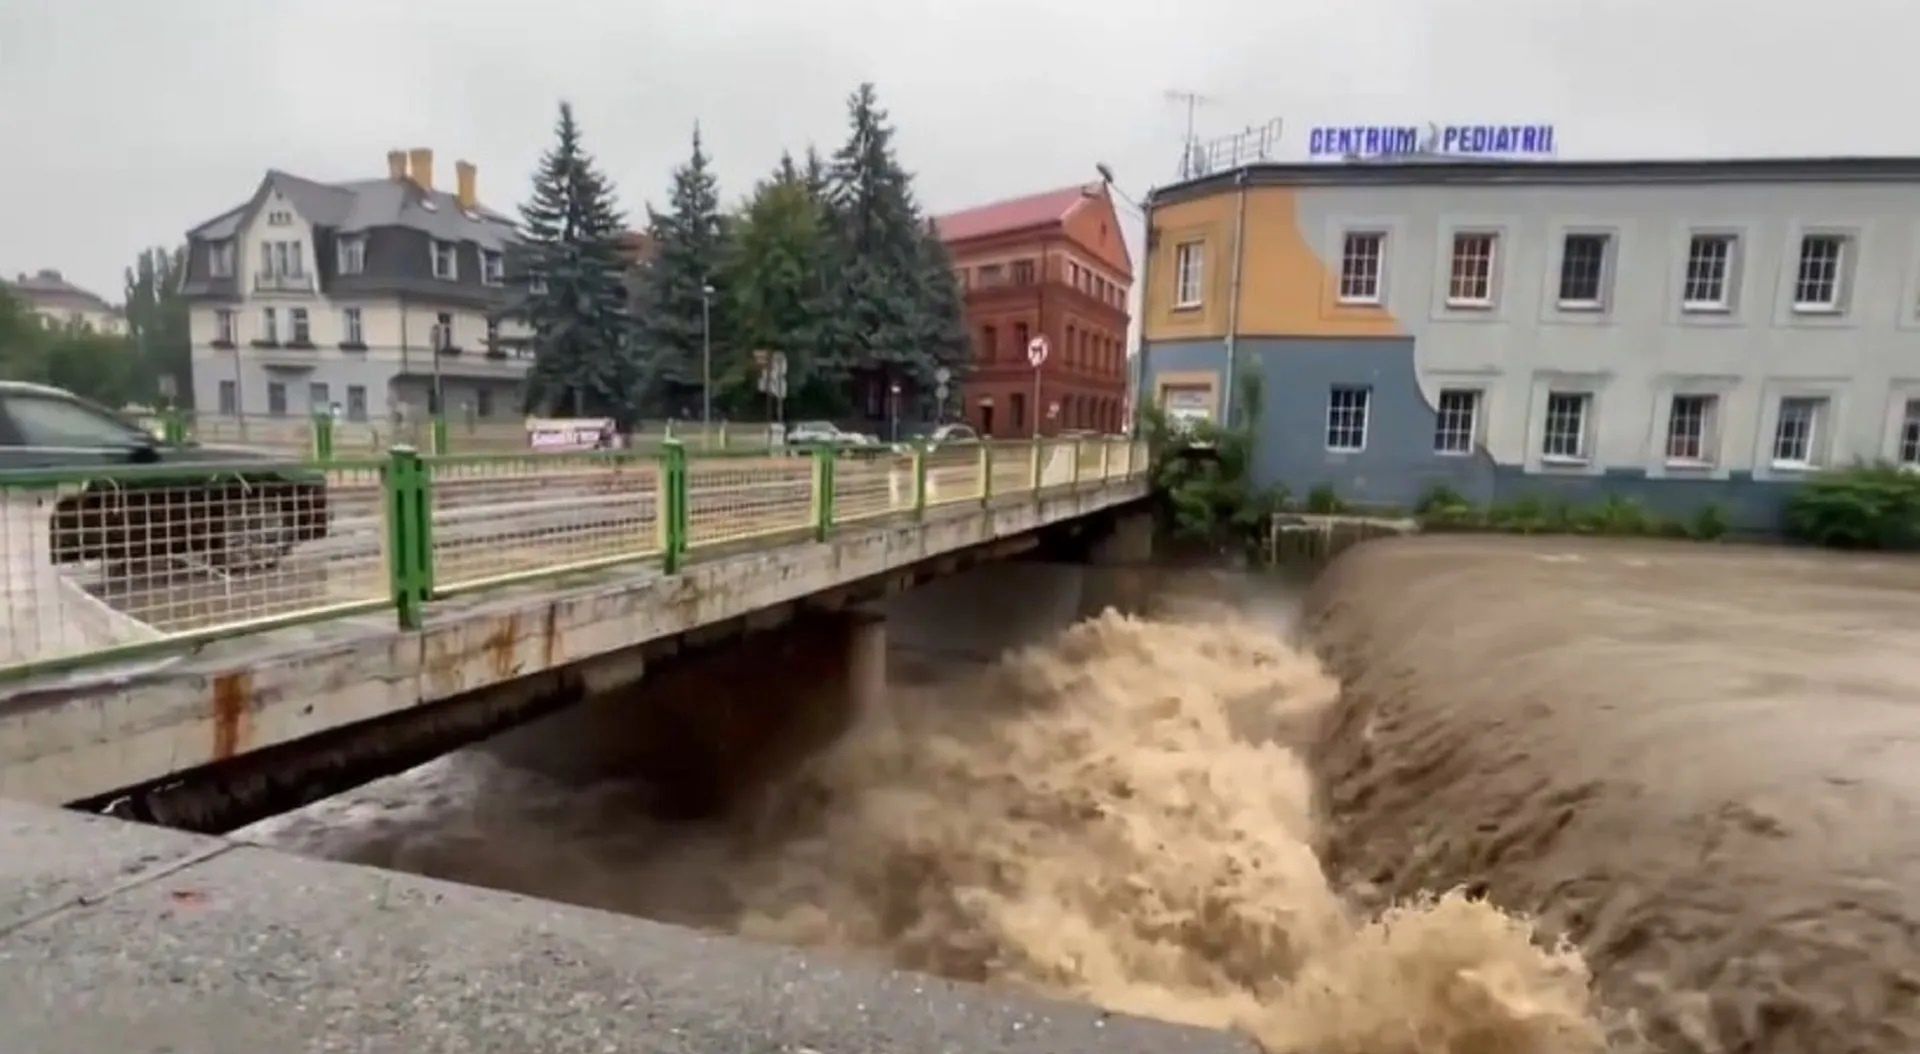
(1116, 809)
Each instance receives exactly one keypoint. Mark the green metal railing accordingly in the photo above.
(115, 562)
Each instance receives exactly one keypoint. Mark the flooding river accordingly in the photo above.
(1174, 812)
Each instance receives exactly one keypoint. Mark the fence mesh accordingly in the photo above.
(1012, 468)
(734, 498)
(292, 436)
(954, 474)
(506, 516)
(1093, 459)
(1056, 462)
(867, 484)
(116, 560)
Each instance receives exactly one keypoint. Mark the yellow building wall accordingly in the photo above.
(1286, 289)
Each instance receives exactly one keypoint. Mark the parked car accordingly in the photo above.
(953, 433)
(248, 515)
(825, 433)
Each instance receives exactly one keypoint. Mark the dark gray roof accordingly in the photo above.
(48, 289)
(364, 204)
(1446, 170)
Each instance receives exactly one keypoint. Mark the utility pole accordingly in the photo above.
(706, 362)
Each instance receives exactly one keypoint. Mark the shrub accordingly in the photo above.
(1438, 498)
(1619, 516)
(1709, 524)
(1864, 507)
(1322, 501)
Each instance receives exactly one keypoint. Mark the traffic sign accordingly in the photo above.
(942, 375)
(1037, 351)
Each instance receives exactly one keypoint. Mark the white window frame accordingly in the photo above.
(356, 412)
(1348, 407)
(352, 327)
(1489, 267)
(269, 325)
(1817, 407)
(229, 398)
(353, 254)
(1706, 438)
(319, 396)
(299, 326)
(223, 325)
(1728, 261)
(1583, 442)
(279, 218)
(452, 250)
(1602, 272)
(1442, 433)
(1835, 281)
(1363, 265)
(220, 259)
(493, 267)
(278, 388)
(1189, 274)
(1906, 449)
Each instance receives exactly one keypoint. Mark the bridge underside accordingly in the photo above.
(268, 715)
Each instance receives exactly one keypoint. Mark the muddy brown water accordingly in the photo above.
(1696, 763)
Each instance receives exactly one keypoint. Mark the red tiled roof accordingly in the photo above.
(1015, 214)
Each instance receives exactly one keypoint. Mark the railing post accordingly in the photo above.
(323, 437)
(440, 434)
(724, 440)
(1076, 463)
(919, 481)
(1106, 459)
(409, 534)
(986, 472)
(173, 427)
(673, 507)
(823, 459)
(1033, 474)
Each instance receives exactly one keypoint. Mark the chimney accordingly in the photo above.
(396, 164)
(420, 164)
(463, 173)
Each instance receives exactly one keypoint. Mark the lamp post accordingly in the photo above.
(706, 361)
(1136, 369)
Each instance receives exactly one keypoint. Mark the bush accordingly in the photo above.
(1709, 524)
(1438, 499)
(1322, 501)
(1618, 516)
(1864, 507)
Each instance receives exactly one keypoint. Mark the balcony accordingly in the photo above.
(283, 283)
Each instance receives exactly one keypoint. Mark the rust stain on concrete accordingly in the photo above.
(550, 640)
(499, 647)
(232, 713)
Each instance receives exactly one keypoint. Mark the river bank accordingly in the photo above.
(1701, 764)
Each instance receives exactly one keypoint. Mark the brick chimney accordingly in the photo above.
(420, 166)
(396, 164)
(463, 174)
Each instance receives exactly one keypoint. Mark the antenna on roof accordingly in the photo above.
(1192, 100)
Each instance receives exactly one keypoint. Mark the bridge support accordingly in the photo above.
(1128, 540)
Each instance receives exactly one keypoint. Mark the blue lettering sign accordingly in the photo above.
(1464, 140)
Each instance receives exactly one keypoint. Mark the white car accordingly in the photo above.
(953, 433)
(824, 433)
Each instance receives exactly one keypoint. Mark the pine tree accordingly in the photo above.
(942, 327)
(583, 358)
(690, 246)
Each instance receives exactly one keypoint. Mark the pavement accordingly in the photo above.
(140, 940)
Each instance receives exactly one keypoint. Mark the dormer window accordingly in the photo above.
(446, 261)
(220, 259)
(353, 254)
(493, 269)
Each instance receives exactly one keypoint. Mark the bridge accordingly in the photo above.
(267, 627)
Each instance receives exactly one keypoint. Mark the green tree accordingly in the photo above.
(157, 323)
(96, 366)
(690, 246)
(583, 355)
(941, 318)
(774, 278)
(23, 341)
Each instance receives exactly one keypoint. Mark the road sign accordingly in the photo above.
(942, 375)
(1037, 351)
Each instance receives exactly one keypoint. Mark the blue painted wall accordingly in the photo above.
(1399, 464)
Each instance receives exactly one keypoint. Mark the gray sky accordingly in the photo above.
(126, 121)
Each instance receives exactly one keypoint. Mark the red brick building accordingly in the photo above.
(1052, 264)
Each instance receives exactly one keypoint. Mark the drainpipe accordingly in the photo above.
(1233, 300)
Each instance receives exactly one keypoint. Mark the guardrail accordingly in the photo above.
(323, 437)
(116, 562)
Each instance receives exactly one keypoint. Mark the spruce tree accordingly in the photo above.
(690, 246)
(941, 318)
(576, 305)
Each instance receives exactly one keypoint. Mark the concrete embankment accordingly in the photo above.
(120, 937)
(1702, 764)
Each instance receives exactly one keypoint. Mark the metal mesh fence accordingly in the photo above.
(1118, 451)
(867, 484)
(1056, 462)
(129, 558)
(954, 474)
(503, 517)
(730, 499)
(486, 437)
(1092, 454)
(1012, 468)
(1137, 461)
(289, 435)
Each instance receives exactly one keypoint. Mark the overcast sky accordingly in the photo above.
(124, 122)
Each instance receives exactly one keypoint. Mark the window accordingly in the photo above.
(279, 218)
(1073, 274)
(1020, 339)
(1019, 410)
(1023, 272)
(493, 270)
(223, 326)
(537, 284)
(1817, 286)
(1347, 418)
(1910, 435)
(282, 259)
(1188, 265)
(1471, 282)
(992, 275)
(1067, 352)
(989, 343)
(1360, 268)
(1566, 431)
(319, 398)
(445, 261)
(1453, 430)
(1690, 429)
(301, 334)
(220, 259)
(356, 402)
(1709, 267)
(493, 336)
(350, 327)
(443, 332)
(483, 402)
(1583, 266)
(353, 255)
(269, 326)
(960, 278)
(46, 421)
(276, 398)
(1797, 431)
(229, 398)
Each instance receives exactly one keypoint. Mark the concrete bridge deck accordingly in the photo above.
(120, 937)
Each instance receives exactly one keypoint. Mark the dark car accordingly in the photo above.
(233, 509)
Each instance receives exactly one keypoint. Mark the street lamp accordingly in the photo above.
(706, 361)
(1137, 369)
